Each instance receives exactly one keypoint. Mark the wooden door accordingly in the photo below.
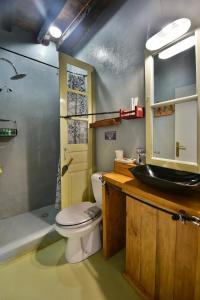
(141, 228)
(76, 139)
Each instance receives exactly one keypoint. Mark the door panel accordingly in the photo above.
(186, 131)
(141, 246)
(114, 220)
(186, 259)
(186, 124)
(79, 186)
(166, 244)
(162, 255)
(76, 141)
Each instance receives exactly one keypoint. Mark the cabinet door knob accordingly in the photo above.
(186, 218)
(175, 217)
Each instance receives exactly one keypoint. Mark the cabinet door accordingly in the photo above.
(114, 220)
(162, 255)
(186, 262)
(178, 260)
(141, 246)
(165, 263)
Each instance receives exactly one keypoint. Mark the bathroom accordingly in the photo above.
(109, 41)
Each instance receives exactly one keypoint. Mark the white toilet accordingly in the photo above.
(80, 223)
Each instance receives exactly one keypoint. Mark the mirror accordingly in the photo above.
(172, 109)
(175, 135)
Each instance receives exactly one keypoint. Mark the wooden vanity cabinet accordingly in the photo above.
(114, 220)
(162, 255)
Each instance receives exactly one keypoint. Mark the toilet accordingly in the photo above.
(80, 224)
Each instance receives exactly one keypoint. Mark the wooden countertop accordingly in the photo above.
(188, 203)
(116, 179)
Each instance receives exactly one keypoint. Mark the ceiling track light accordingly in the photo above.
(168, 34)
(55, 32)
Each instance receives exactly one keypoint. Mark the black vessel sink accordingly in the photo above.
(168, 179)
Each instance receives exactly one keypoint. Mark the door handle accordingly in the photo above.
(186, 218)
(178, 148)
(65, 167)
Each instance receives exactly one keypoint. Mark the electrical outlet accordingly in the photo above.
(110, 135)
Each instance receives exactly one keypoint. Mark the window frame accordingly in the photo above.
(150, 106)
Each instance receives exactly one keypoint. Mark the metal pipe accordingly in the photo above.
(33, 59)
(17, 75)
(90, 114)
(96, 114)
(8, 61)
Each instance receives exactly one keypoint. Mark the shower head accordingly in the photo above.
(17, 75)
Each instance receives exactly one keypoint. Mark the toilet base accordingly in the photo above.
(80, 248)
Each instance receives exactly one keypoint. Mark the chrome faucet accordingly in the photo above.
(141, 156)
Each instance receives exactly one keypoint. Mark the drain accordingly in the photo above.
(44, 215)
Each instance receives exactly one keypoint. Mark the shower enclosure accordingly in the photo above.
(29, 161)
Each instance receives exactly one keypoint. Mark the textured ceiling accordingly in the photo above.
(27, 14)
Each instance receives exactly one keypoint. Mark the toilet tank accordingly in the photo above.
(96, 179)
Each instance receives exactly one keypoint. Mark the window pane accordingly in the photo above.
(175, 77)
(164, 137)
(76, 104)
(76, 78)
(175, 133)
(77, 132)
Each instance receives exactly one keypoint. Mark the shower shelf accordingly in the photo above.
(9, 128)
(106, 122)
(138, 113)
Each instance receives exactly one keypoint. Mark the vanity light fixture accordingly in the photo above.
(177, 48)
(55, 31)
(168, 34)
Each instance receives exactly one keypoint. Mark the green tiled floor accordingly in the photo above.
(44, 275)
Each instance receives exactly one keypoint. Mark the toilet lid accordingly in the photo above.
(75, 214)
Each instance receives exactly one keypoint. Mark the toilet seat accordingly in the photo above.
(75, 216)
(77, 231)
